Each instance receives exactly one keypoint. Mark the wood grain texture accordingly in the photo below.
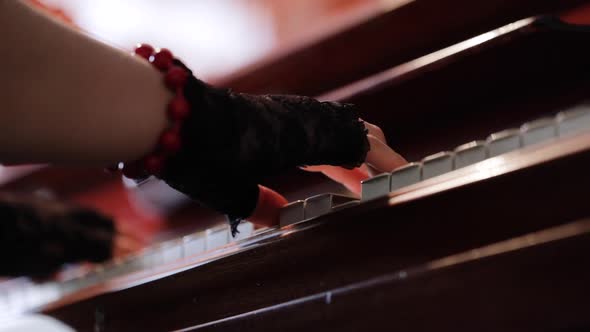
(540, 287)
(350, 246)
(389, 39)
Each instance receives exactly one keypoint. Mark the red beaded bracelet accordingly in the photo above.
(169, 143)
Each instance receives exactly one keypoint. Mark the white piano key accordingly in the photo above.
(405, 176)
(20, 299)
(87, 280)
(292, 213)
(70, 286)
(24, 296)
(437, 164)
(503, 142)
(246, 229)
(470, 153)
(71, 271)
(35, 298)
(15, 299)
(150, 258)
(318, 205)
(538, 131)
(102, 274)
(3, 299)
(108, 271)
(376, 186)
(574, 121)
(217, 237)
(172, 252)
(194, 244)
(48, 292)
(132, 264)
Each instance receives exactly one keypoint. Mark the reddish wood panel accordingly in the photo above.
(535, 288)
(391, 38)
(377, 237)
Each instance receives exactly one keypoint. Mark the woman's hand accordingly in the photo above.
(235, 140)
(380, 158)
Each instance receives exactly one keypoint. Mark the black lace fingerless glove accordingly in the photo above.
(231, 141)
(36, 238)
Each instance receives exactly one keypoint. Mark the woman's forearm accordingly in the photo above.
(66, 98)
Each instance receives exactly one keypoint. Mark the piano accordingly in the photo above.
(487, 228)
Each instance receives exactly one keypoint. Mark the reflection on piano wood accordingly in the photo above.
(494, 229)
(458, 212)
(403, 30)
(492, 288)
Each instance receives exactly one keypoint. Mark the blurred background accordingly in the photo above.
(215, 37)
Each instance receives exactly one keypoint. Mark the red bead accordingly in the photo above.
(132, 170)
(163, 59)
(144, 51)
(154, 164)
(178, 109)
(170, 141)
(176, 77)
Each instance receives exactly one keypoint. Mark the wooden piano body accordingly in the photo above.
(499, 245)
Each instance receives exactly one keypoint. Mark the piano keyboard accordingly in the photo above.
(23, 295)
(314, 206)
(530, 133)
(534, 132)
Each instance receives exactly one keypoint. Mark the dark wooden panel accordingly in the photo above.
(536, 70)
(394, 37)
(531, 72)
(353, 245)
(537, 288)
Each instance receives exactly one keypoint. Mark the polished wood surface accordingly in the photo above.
(547, 188)
(438, 102)
(381, 41)
(531, 283)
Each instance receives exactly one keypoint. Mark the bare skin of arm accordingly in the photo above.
(69, 99)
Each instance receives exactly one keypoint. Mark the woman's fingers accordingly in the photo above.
(316, 168)
(328, 168)
(267, 211)
(381, 157)
(125, 245)
(350, 178)
(375, 131)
